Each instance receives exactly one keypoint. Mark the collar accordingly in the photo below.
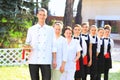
(39, 26)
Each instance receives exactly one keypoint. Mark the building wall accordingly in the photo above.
(93, 8)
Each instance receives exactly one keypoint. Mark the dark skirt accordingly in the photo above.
(93, 67)
(100, 63)
(80, 73)
(108, 63)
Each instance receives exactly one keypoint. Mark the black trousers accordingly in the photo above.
(93, 75)
(85, 71)
(98, 76)
(106, 73)
(45, 71)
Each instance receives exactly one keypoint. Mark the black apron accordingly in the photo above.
(100, 59)
(93, 67)
(86, 68)
(80, 73)
(108, 61)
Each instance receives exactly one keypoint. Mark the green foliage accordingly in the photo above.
(3, 20)
(52, 22)
(16, 17)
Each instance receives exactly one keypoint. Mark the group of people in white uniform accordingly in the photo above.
(81, 51)
(92, 55)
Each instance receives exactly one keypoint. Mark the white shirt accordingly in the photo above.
(41, 40)
(72, 48)
(86, 37)
(84, 46)
(60, 45)
(98, 41)
(106, 45)
(92, 40)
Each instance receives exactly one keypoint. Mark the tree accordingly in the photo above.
(78, 18)
(44, 4)
(15, 16)
(68, 15)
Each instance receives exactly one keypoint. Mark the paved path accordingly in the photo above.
(116, 50)
(116, 54)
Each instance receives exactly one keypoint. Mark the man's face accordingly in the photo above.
(85, 29)
(42, 16)
(76, 31)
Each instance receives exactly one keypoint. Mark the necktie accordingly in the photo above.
(76, 38)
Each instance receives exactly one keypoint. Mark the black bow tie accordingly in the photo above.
(106, 38)
(76, 38)
(84, 35)
(93, 36)
(100, 38)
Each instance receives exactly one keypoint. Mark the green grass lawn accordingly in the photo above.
(115, 71)
(14, 73)
(22, 72)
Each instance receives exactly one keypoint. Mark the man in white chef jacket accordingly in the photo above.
(40, 41)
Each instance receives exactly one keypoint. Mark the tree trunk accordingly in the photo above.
(68, 15)
(78, 18)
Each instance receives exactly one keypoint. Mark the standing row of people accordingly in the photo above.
(48, 47)
(85, 51)
(98, 57)
(67, 53)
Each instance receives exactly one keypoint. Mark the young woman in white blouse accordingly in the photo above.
(100, 55)
(95, 51)
(58, 55)
(87, 59)
(108, 46)
(79, 73)
(73, 52)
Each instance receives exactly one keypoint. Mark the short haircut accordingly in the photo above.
(68, 28)
(42, 9)
(85, 23)
(100, 28)
(108, 27)
(76, 25)
(93, 26)
(60, 23)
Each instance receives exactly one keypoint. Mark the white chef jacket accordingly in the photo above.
(41, 40)
(72, 48)
(60, 49)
